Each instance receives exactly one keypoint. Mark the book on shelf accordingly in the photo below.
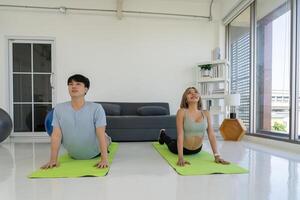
(205, 89)
(218, 91)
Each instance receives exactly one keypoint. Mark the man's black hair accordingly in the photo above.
(80, 78)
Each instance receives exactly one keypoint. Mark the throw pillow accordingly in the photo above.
(111, 109)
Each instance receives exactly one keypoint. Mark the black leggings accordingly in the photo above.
(172, 146)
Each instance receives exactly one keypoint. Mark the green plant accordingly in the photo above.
(279, 127)
(205, 67)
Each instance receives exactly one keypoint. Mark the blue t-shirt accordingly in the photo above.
(78, 128)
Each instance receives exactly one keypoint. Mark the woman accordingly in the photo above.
(192, 123)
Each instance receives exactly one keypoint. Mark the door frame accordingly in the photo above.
(19, 39)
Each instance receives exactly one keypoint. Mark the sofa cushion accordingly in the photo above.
(111, 109)
(152, 110)
(141, 122)
(130, 108)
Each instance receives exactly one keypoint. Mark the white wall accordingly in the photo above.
(138, 58)
(228, 5)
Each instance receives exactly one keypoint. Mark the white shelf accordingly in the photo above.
(213, 96)
(216, 112)
(208, 79)
(217, 81)
(213, 62)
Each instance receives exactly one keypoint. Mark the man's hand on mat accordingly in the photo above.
(102, 164)
(50, 164)
(218, 159)
(182, 162)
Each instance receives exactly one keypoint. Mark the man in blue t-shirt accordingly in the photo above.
(80, 126)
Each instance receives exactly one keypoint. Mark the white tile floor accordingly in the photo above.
(139, 173)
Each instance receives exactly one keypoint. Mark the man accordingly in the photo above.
(80, 126)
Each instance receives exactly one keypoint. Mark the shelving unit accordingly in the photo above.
(213, 87)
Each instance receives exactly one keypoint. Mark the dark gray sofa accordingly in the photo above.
(127, 121)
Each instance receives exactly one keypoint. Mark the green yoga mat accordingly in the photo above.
(201, 163)
(70, 168)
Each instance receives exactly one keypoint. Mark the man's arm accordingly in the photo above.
(100, 131)
(55, 144)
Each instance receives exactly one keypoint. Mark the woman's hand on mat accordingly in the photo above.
(218, 159)
(102, 164)
(50, 164)
(182, 162)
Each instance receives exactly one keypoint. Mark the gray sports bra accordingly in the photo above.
(192, 128)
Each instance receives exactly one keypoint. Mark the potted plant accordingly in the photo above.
(205, 69)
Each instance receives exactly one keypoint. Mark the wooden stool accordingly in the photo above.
(232, 129)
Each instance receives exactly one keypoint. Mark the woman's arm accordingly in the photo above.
(179, 126)
(212, 140)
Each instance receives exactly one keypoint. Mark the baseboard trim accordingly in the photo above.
(279, 145)
(32, 139)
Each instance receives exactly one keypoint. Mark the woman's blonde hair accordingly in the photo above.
(184, 103)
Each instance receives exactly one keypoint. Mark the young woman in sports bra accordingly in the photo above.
(192, 123)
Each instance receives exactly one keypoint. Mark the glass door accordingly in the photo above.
(32, 89)
(273, 67)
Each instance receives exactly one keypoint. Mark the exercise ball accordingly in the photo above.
(48, 122)
(5, 125)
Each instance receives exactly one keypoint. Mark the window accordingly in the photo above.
(31, 64)
(273, 98)
(239, 36)
(275, 79)
(273, 66)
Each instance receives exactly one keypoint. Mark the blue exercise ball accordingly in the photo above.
(5, 125)
(48, 122)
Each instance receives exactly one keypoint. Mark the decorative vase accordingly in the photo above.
(206, 73)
